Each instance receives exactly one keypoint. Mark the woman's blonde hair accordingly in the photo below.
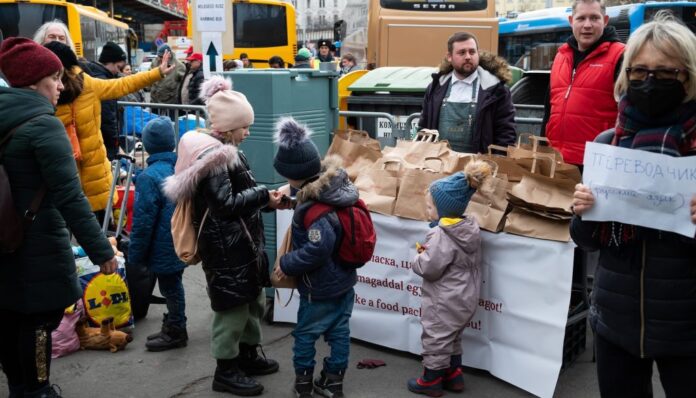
(668, 36)
(40, 35)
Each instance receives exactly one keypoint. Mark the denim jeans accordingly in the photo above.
(172, 288)
(323, 317)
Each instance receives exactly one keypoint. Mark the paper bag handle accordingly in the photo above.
(527, 136)
(392, 161)
(536, 140)
(442, 163)
(544, 156)
(497, 148)
(361, 133)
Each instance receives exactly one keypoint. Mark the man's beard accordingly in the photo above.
(463, 72)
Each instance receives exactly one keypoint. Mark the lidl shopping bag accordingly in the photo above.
(104, 296)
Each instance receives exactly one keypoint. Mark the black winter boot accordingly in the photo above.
(329, 385)
(164, 324)
(254, 364)
(46, 392)
(429, 384)
(453, 380)
(229, 378)
(170, 337)
(303, 384)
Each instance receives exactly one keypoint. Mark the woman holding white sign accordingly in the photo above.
(644, 298)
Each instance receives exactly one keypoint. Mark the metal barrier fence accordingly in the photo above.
(133, 116)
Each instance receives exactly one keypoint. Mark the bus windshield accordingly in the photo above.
(435, 5)
(259, 25)
(21, 19)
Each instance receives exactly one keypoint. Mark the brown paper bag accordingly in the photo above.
(356, 156)
(544, 193)
(505, 164)
(521, 222)
(414, 152)
(379, 186)
(289, 282)
(527, 150)
(488, 206)
(410, 202)
(358, 137)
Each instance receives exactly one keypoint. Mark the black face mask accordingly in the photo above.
(656, 97)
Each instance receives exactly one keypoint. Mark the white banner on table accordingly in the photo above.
(518, 330)
(640, 188)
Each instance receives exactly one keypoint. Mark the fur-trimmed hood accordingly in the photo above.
(332, 187)
(183, 185)
(492, 69)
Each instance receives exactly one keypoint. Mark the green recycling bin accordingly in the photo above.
(309, 96)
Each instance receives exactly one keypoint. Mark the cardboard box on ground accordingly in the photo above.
(530, 193)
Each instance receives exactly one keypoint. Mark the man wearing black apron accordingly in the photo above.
(468, 102)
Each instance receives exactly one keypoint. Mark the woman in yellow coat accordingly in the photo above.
(82, 97)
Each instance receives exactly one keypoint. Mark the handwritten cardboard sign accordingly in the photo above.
(640, 188)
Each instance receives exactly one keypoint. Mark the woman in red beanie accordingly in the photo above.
(38, 278)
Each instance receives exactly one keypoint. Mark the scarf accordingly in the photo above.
(673, 134)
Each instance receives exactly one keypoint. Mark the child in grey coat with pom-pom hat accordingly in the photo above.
(450, 263)
(325, 285)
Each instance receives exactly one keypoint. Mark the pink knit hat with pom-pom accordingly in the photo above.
(228, 110)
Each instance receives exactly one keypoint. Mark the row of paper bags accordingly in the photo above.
(530, 193)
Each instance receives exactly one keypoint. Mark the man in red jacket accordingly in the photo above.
(581, 101)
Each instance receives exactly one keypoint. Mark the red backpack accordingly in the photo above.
(359, 238)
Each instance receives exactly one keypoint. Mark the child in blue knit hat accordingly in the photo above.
(324, 283)
(151, 242)
(450, 263)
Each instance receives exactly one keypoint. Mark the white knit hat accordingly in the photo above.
(228, 110)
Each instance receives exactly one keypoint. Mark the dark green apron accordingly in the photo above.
(457, 120)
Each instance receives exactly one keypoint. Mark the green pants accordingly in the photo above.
(241, 324)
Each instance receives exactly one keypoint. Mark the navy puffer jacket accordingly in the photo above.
(312, 260)
(151, 239)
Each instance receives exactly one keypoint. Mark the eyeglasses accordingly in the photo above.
(640, 73)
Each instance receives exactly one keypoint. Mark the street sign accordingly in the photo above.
(210, 15)
(212, 52)
(215, 17)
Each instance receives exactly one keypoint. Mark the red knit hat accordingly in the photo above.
(24, 62)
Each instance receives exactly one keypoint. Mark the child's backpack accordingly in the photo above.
(359, 237)
(184, 235)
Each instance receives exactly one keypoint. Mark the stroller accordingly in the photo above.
(141, 282)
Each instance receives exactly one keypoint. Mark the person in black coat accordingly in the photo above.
(644, 296)
(111, 61)
(468, 101)
(38, 280)
(196, 79)
(213, 174)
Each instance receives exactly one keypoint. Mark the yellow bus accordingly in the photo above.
(262, 29)
(415, 32)
(89, 27)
